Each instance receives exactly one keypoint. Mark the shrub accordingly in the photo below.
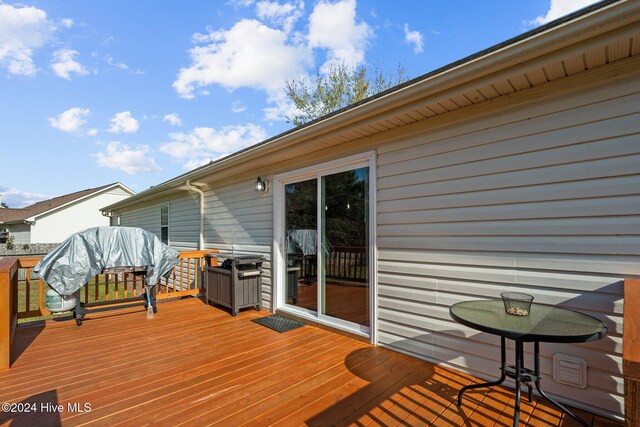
(9, 243)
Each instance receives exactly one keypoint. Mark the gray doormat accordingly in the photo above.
(278, 323)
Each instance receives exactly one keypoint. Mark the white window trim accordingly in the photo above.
(367, 159)
(162, 205)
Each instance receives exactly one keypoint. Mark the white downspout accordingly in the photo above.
(191, 188)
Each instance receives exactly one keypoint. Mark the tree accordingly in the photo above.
(339, 87)
(3, 205)
(345, 211)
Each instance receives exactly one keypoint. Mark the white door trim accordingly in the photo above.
(367, 159)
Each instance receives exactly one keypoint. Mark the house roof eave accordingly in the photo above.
(100, 190)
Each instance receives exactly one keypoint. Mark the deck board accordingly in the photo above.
(193, 364)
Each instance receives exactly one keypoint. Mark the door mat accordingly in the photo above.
(278, 323)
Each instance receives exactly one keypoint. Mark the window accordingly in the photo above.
(164, 223)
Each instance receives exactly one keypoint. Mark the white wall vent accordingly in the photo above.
(570, 370)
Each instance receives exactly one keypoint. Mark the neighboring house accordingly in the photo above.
(53, 220)
(517, 168)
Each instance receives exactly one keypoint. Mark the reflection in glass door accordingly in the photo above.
(301, 222)
(335, 283)
(345, 246)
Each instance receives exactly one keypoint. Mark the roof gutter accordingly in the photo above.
(192, 187)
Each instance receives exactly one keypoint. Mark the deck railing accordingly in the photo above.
(631, 352)
(188, 276)
(344, 262)
(348, 262)
(31, 290)
(23, 293)
(8, 307)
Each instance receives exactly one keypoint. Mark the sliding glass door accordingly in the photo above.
(301, 258)
(325, 230)
(345, 246)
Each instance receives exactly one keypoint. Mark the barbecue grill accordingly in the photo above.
(105, 250)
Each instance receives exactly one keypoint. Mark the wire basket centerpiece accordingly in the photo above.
(517, 303)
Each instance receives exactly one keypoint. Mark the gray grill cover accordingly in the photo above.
(83, 255)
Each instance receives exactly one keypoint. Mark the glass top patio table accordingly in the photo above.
(544, 323)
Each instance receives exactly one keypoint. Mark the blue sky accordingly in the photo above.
(137, 92)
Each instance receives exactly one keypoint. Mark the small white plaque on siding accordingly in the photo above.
(570, 370)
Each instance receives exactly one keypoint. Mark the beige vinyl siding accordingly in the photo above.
(239, 221)
(147, 217)
(184, 222)
(543, 198)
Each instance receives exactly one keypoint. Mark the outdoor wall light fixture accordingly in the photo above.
(261, 186)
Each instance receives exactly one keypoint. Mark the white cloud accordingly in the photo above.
(280, 107)
(23, 30)
(559, 8)
(250, 54)
(121, 157)
(123, 122)
(284, 15)
(173, 119)
(120, 65)
(241, 3)
(67, 22)
(71, 120)
(333, 26)
(203, 144)
(414, 38)
(109, 60)
(15, 198)
(238, 107)
(263, 53)
(64, 64)
(92, 132)
(110, 39)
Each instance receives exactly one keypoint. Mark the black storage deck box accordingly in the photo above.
(237, 283)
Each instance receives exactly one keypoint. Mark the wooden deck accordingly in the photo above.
(196, 365)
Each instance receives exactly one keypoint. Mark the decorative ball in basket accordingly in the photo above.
(517, 303)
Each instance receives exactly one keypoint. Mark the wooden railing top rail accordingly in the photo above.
(197, 254)
(29, 261)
